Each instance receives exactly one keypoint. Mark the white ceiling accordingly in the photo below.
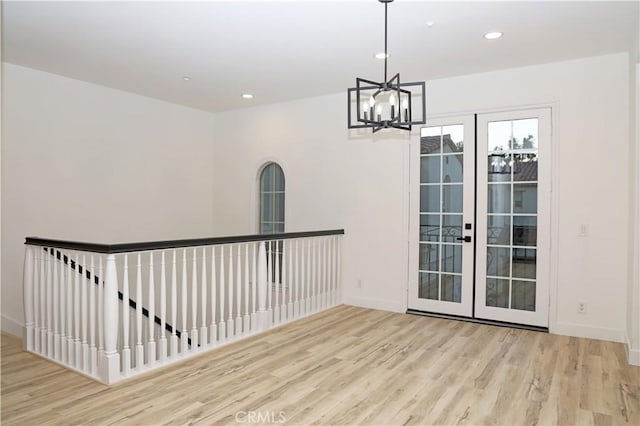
(287, 50)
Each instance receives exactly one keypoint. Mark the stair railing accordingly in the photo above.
(113, 311)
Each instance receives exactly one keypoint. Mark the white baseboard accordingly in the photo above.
(11, 326)
(380, 304)
(633, 355)
(590, 332)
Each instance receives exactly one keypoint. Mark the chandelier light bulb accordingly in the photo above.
(405, 104)
(392, 100)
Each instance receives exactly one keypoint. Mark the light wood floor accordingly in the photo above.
(348, 366)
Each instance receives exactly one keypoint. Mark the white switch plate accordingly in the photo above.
(584, 230)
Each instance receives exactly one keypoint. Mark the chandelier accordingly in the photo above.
(384, 105)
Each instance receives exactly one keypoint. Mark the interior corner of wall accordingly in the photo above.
(371, 303)
(11, 326)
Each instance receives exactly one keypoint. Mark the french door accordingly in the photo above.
(480, 217)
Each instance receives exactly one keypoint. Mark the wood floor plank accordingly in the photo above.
(346, 366)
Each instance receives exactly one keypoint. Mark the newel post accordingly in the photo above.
(262, 286)
(110, 357)
(27, 292)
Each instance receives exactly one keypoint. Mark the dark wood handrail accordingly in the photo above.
(159, 245)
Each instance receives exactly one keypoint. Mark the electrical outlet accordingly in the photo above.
(582, 307)
(359, 283)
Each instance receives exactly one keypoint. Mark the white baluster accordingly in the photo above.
(318, 273)
(139, 338)
(56, 305)
(269, 284)
(304, 279)
(338, 271)
(184, 334)
(238, 292)
(49, 304)
(290, 280)
(28, 284)
(254, 285)
(85, 288)
(321, 273)
(110, 364)
(276, 260)
(194, 302)
(100, 343)
(230, 328)
(44, 285)
(284, 281)
(296, 283)
(174, 306)
(76, 314)
(36, 301)
(151, 343)
(213, 328)
(314, 274)
(162, 342)
(309, 280)
(325, 273)
(63, 308)
(262, 287)
(222, 327)
(69, 293)
(247, 318)
(49, 300)
(329, 300)
(203, 300)
(331, 271)
(93, 350)
(126, 351)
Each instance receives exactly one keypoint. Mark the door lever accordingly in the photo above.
(466, 239)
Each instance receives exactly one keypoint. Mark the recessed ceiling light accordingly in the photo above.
(247, 96)
(381, 55)
(186, 78)
(430, 24)
(493, 35)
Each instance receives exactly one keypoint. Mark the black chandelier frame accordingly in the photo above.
(367, 119)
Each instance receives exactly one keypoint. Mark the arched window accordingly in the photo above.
(271, 199)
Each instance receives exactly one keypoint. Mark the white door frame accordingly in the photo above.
(464, 308)
(539, 317)
(414, 198)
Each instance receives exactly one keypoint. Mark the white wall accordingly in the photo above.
(338, 179)
(84, 162)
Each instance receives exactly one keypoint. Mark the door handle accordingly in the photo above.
(466, 239)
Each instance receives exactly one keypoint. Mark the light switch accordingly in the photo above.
(584, 230)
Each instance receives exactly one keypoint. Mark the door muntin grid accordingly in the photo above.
(441, 213)
(512, 214)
